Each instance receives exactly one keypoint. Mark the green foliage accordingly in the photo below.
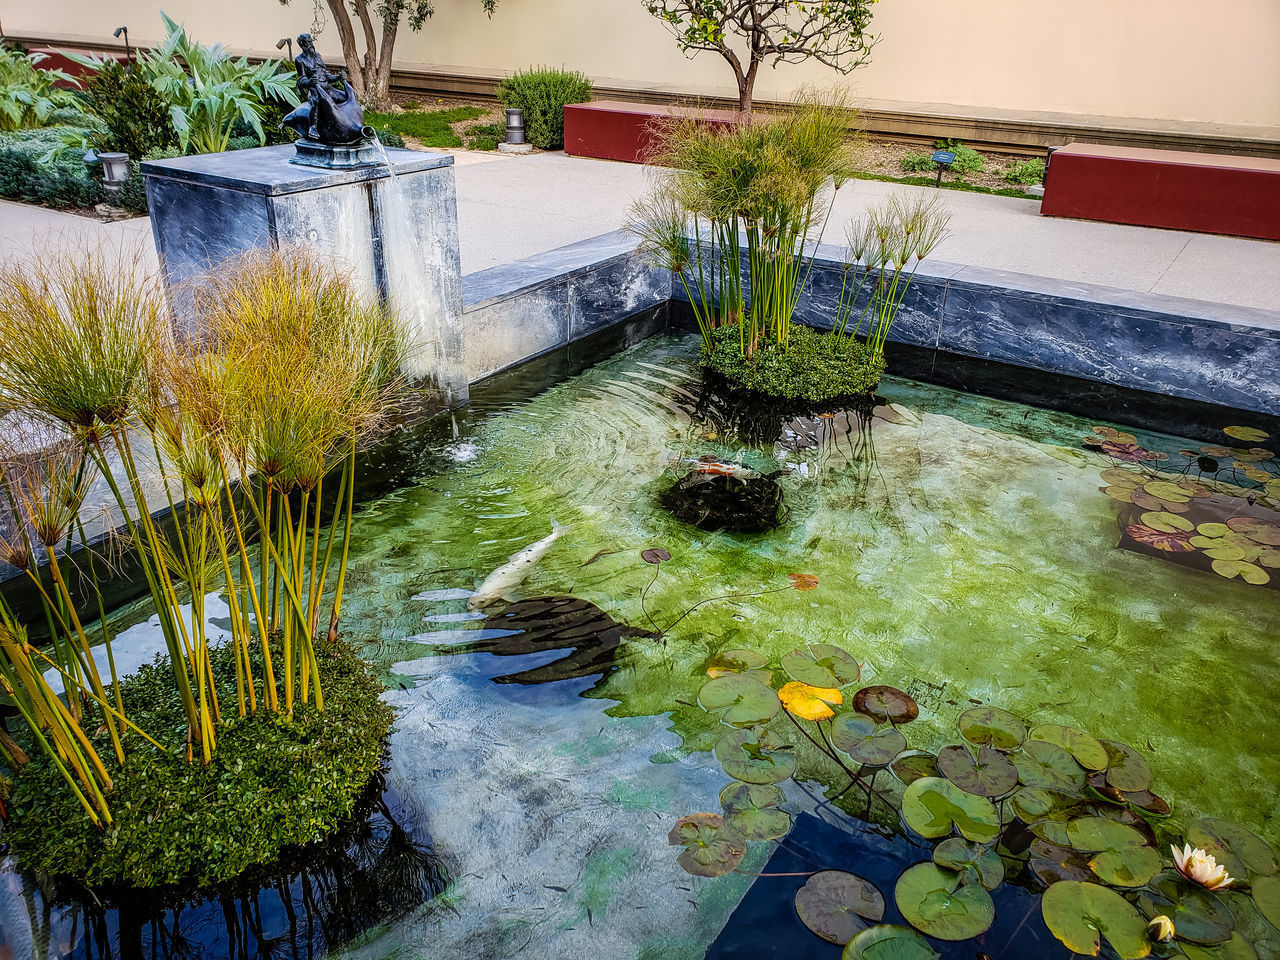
(28, 96)
(274, 783)
(967, 161)
(1026, 172)
(486, 137)
(133, 194)
(136, 116)
(816, 367)
(389, 138)
(429, 127)
(30, 173)
(242, 143)
(958, 185)
(542, 94)
(918, 163)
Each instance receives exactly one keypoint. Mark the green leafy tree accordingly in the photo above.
(379, 20)
(748, 33)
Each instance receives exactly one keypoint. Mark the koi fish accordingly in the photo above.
(499, 584)
(721, 468)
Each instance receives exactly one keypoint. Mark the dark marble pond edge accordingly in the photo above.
(1218, 354)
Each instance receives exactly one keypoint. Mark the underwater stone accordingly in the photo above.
(714, 502)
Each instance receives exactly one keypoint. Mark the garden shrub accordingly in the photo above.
(135, 115)
(28, 96)
(1026, 172)
(486, 137)
(967, 161)
(61, 181)
(389, 138)
(542, 94)
(274, 783)
(815, 367)
(918, 163)
(133, 194)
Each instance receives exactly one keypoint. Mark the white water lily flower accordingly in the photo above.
(1201, 867)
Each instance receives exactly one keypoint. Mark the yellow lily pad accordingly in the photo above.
(1247, 434)
(1167, 522)
(808, 702)
(1167, 491)
(1248, 572)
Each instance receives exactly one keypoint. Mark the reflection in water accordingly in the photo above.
(378, 867)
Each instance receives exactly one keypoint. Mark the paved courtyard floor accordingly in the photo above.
(513, 207)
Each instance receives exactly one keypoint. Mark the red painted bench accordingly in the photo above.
(617, 130)
(1208, 193)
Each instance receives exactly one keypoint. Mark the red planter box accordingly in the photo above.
(616, 130)
(1237, 196)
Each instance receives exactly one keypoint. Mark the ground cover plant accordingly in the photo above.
(542, 93)
(431, 128)
(294, 373)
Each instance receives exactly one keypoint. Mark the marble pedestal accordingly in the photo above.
(397, 234)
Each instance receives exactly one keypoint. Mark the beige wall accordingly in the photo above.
(1154, 59)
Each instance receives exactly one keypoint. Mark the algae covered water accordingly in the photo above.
(965, 550)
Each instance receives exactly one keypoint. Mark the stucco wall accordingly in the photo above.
(1154, 59)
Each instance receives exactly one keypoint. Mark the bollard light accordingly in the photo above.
(515, 125)
(115, 170)
(282, 42)
(128, 54)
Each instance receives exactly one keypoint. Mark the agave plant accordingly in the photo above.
(207, 90)
(28, 94)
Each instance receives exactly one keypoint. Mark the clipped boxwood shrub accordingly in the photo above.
(273, 784)
(133, 193)
(61, 181)
(542, 94)
(136, 116)
(814, 367)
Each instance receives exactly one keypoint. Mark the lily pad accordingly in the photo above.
(1121, 858)
(1259, 531)
(1167, 491)
(803, 581)
(1248, 572)
(1082, 915)
(1197, 914)
(990, 774)
(932, 805)
(822, 665)
(1237, 948)
(1049, 767)
(836, 905)
(1240, 850)
(1167, 522)
(934, 901)
(888, 941)
(740, 699)
(754, 756)
(809, 703)
(866, 741)
(1127, 769)
(992, 727)
(910, 765)
(751, 809)
(655, 555)
(883, 702)
(1053, 863)
(1266, 895)
(1175, 542)
(1120, 477)
(1087, 750)
(1034, 803)
(734, 661)
(709, 849)
(1149, 802)
(1247, 434)
(974, 862)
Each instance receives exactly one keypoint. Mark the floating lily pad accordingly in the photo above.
(751, 809)
(866, 741)
(1175, 542)
(1121, 858)
(1197, 914)
(1237, 948)
(1167, 522)
(1150, 802)
(932, 805)
(934, 901)
(1240, 850)
(1049, 767)
(990, 774)
(740, 699)
(734, 661)
(1082, 915)
(1053, 863)
(1086, 749)
(803, 581)
(1103, 790)
(992, 727)
(1266, 894)
(886, 703)
(836, 905)
(1051, 831)
(1120, 477)
(910, 765)
(809, 703)
(1122, 494)
(1034, 803)
(888, 941)
(1146, 501)
(974, 862)
(1248, 572)
(753, 756)
(1127, 769)
(709, 849)
(822, 665)
(1257, 530)
(655, 555)
(1167, 491)
(1247, 434)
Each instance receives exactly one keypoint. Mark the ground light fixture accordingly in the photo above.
(115, 171)
(128, 53)
(283, 42)
(515, 125)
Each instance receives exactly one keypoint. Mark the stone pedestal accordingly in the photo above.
(397, 234)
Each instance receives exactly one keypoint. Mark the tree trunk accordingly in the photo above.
(370, 65)
(746, 84)
(380, 90)
(347, 35)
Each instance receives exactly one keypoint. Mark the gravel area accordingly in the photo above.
(884, 157)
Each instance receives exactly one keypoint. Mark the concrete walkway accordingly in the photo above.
(513, 207)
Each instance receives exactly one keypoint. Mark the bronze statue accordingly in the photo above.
(330, 114)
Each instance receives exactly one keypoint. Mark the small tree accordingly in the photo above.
(749, 32)
(370, 73)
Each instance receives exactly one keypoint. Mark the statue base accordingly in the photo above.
(312, 154)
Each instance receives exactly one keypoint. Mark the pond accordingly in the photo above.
(968, 551)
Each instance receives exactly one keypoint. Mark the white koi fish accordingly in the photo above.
(499, 584)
